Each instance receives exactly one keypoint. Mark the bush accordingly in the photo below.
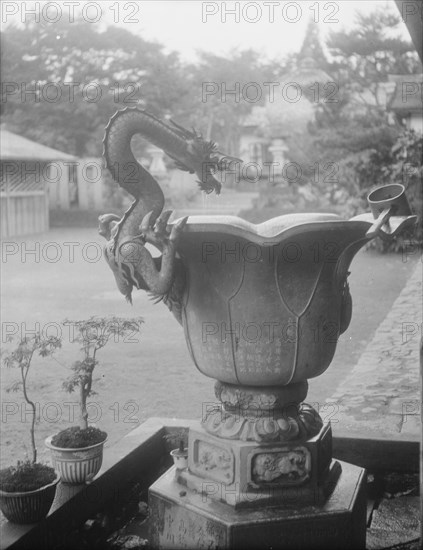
(405, 167)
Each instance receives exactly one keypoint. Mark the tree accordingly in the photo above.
(63, 81)
(94, 334)
(21, 358)
(227, 88)
(346, 149)
(80, 76)
(370, 51)
(356, 132)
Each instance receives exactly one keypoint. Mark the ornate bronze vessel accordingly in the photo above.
(262, 307)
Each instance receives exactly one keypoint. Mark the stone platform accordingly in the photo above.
(111, 510)
(188, 519)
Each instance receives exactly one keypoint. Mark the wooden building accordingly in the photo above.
(30, 171)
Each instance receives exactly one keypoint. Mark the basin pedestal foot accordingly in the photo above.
(251, 474)
(260, 475)
(184, 518)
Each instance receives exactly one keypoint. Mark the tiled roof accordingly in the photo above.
(15, 147)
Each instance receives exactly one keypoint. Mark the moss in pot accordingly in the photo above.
(75, 437)
(26, 476)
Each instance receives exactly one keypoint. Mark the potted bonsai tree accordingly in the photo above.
(179, 453)
(77, 452)
(27, 490)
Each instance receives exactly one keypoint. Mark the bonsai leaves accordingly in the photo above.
(83, 371)
(94, 334)
(21, 357)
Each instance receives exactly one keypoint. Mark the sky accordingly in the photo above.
(273, 27)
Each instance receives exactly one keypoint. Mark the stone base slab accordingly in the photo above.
(181, 518)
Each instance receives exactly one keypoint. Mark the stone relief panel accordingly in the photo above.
(213, 462)
(290, 467)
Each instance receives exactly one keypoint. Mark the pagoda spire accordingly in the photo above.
(312, 52)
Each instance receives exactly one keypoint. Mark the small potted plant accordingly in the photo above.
(27, 490)
(180, 453)
(77, 452)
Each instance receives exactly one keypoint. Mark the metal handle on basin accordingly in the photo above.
(380, 222)
(386, 196)
(390, 208)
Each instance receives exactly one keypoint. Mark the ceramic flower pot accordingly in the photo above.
(180, 458)
(76, 466)
(30, 506)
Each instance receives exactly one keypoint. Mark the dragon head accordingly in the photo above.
(204, 159)
(216, 163)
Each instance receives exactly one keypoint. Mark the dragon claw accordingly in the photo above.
(158, 234)
(181, 223)
(161, 223)
(146, 222)
(177, 229)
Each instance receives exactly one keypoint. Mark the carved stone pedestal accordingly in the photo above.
(183, 518)
(260, 475)
(247, 473)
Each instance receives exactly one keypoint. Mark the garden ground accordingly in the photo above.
(61, 274)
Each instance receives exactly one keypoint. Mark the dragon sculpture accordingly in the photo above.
(144, 222)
